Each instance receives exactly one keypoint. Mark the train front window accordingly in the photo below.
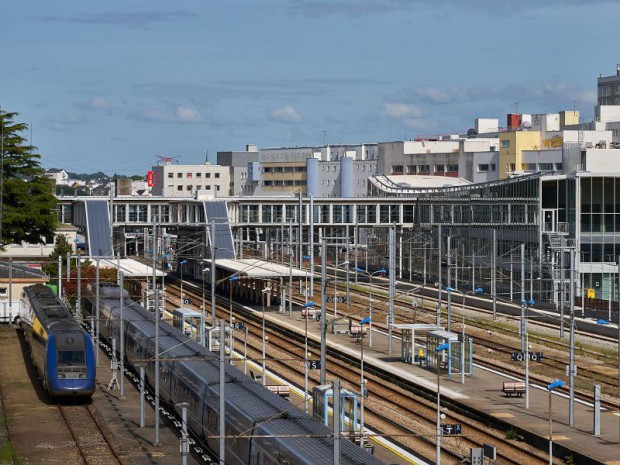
(71, 358)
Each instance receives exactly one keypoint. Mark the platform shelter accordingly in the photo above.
(408, 331)
(254, 278)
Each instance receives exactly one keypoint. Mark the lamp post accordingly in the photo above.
(444, 346)
(558, 383)
(267, 289)
(306, 257)
(362, 380)
(306, 307)
(370, 275)
(477, 290)
(231, 280)
(181, 263)
(336, 290)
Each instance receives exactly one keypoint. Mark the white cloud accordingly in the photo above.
(188, 115)
(99, 103)
(400, 110)
(285, 115)
(182, 115)
(420, 124)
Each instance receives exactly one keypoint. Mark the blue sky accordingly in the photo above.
(111, 85)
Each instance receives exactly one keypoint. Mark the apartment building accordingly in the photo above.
(191, 180)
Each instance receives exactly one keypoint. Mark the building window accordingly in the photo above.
(424, 169)
(179, 175)
(217, 188)
(179, 188)
(208, 175)
(170, 175)
(397, 169)
(217, 175)
(505, 144)
(198, 188)
(189, 188)
(453, 168)
(199, 175)
(209, 187)
(546, 167)
(483, 168)
(189, 175)
(4, 291)
(558, 166)
(439, 168)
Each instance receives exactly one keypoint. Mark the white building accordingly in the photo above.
(190, 180)
(59, 176)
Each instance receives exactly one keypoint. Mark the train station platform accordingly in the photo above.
(483, 393)
(122, 418)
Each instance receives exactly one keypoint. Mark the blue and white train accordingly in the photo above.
(61, 350)
(261, 427)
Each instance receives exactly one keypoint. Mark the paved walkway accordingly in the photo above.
(483, 394)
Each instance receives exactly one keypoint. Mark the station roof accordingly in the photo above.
(417, 327)
(257, 269)
(131, 268)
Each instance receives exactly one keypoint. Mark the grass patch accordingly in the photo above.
(6, 453)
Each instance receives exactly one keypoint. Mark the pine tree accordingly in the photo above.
(27, 202)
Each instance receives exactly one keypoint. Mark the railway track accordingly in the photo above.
(494, 341)
(89, 434)
(396, 410)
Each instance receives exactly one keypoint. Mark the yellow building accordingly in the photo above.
(511, 146)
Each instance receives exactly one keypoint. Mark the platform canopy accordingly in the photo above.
(131, 268)
(257, 269)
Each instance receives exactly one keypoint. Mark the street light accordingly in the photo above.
(558, 383)
(362, 380)
(370, 275)
(477, 290)
(306, 307)
(230, 315)
(444, 346)
(181, 263)
(306, 257)
(346, 263)
(267, 289)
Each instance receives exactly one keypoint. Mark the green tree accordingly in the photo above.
(61, 249)
(27, 202)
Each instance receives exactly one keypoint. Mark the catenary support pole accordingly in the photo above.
(323, 310)
(97, 310)
(122, 330)
(222, 412)
(157, 443)
(337, 418)
(213, 270)
(572, 367)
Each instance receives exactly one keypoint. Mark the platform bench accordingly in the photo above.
(509, 388)
(279, 389)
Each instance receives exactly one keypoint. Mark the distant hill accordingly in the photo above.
(101, 178)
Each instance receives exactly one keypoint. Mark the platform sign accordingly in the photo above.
(314, 364)
(238, 325)
(447, 429)
(490, 451)
(476, 456)
(520, 356)
(339, 299)
(536, 356)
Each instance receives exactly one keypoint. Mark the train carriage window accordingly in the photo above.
(71, 358)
